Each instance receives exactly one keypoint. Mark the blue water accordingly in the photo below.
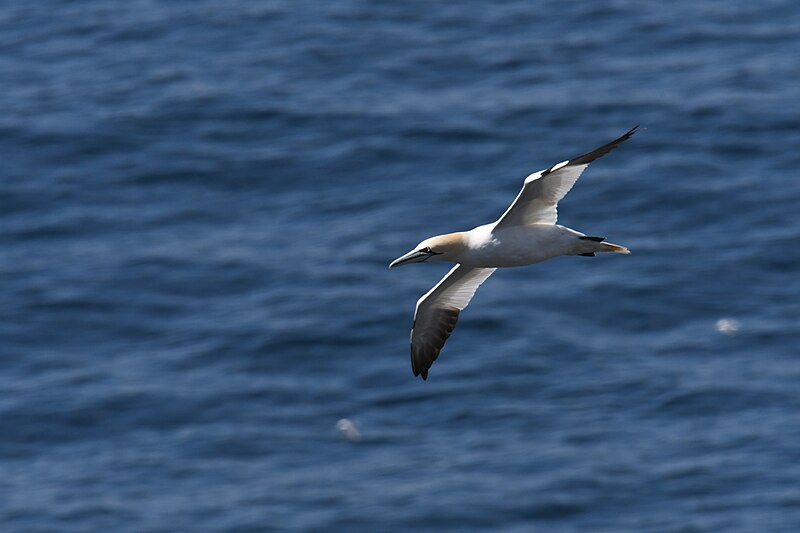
(198, 202)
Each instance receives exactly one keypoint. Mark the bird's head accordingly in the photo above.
(440, 248)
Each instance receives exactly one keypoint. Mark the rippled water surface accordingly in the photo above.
(198, 202)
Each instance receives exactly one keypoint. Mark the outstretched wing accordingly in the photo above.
(437, 313)
(538, 200)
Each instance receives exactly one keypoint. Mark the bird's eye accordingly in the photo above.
(427, 250)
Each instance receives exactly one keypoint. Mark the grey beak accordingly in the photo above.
(414, 256)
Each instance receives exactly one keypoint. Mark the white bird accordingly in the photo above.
(525, 234)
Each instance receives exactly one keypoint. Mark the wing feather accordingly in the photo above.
(437, 312)
(537, 202)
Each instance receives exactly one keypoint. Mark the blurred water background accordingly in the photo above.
(199, 200)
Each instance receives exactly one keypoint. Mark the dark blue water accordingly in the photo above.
(198, 202)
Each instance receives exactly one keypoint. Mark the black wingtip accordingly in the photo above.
(627, 135)
(588, 157)
(421, 373)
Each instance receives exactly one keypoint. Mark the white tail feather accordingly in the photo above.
(608, 247)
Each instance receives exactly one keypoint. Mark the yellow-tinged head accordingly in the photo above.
(440, 248)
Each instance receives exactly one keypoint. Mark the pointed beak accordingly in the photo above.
(414, 256)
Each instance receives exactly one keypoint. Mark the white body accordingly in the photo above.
(490, 247)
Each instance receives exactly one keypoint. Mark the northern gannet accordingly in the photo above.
(525, 234)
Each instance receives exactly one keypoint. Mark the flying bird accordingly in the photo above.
(525, 234)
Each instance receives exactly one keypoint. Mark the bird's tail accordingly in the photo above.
(608, 247)
(604, 247)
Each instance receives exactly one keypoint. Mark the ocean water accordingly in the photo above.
(199, 332)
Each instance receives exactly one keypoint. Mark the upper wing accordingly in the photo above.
(539, 197)
(437, 313)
